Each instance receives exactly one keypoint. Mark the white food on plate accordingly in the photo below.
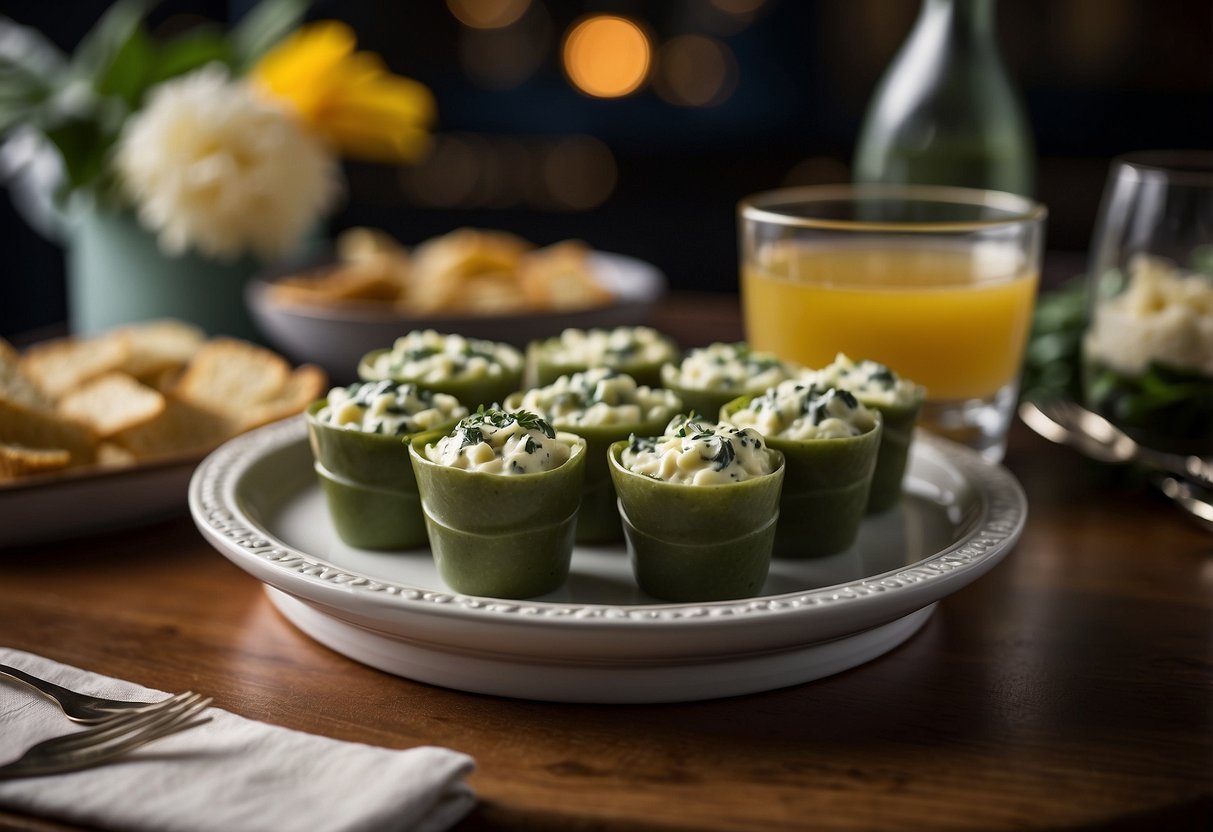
(388, 408)
(496, 442)
(600, 397)
(802, 410)
(699, 453)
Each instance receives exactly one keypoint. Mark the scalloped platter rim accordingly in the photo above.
(599, 639)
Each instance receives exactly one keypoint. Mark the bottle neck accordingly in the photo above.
(960, 18)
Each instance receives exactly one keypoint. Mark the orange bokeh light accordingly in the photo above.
(488, 14)
(607, 56)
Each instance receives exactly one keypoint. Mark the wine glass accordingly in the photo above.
(1148, 349)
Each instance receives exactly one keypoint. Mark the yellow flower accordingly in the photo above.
(349, 98)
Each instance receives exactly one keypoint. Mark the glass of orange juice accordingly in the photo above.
(937, 283)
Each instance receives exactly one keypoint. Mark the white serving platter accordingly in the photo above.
(599, 639)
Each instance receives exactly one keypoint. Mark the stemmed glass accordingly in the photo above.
(1148, 349)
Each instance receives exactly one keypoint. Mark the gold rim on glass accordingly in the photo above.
(1018, 209)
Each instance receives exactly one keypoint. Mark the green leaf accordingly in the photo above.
(84, 147)
(27, 48)
(29, 66)
(188, 52)
(106, 39)
(259, 30)
(126, 76)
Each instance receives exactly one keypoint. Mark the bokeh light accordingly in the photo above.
(480, 170)
(607, 56)
(487, 14)
(505, 57)
(695, 71)
(579, 173)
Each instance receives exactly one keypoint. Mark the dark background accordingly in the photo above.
(658, 180)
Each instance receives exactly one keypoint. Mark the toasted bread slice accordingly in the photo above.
(62, 364)
(232, 377)
(183, 427)
(306, 384)
(112, 403)
(14, 386)
(157, 346)
(46, 430)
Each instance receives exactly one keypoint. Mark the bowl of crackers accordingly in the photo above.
(480, 283)
(102, 430)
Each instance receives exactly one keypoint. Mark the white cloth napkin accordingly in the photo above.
(231, 774)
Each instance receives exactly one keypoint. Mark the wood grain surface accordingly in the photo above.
(1070, 688)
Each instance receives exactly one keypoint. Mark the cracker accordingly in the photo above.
(231, 377)
(47, 430)
(156, 346)
(442, 266)
(22, 461)
(373, 280)
(112, 403)
(306, 384)
(360, 244)
(113, 455)
(61, 364)
(182, 427)
(560, 277)
(14, 386)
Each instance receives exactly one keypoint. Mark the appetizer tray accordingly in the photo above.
(336, 337)
(58, 506)
(598, 639)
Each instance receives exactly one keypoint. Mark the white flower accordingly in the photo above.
(208, 164)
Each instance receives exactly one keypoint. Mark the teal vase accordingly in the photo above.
(117, 274)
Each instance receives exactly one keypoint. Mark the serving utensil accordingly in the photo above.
(1069, 423)
(1193, 499)
(111, 739)
(1186, 480)
(78, 707)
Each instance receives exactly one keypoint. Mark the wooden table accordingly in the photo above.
(1070, 688)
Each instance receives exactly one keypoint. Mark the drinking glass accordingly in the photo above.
(937, 283)
(1148, 349)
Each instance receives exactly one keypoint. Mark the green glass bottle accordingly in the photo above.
(946, 111)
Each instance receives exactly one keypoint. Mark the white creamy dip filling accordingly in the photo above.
(388, 408)
(428, 356)
(870, 381)
(601, 396)
(609, 347)
(1163, 316)
(699, 453)
(726, 367)
(801, 410)
(496, 442)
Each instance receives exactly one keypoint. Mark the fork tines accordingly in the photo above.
(160, 718)
(119, 735)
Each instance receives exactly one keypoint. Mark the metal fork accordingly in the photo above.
(111, 739)
(78, 707)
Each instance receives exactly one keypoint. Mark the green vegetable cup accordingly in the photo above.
(472, 392)
(825, 489)
(542, 369)
(698, 542)
(502, 536)
(895, 436)
(598, 517)
(368, 484)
